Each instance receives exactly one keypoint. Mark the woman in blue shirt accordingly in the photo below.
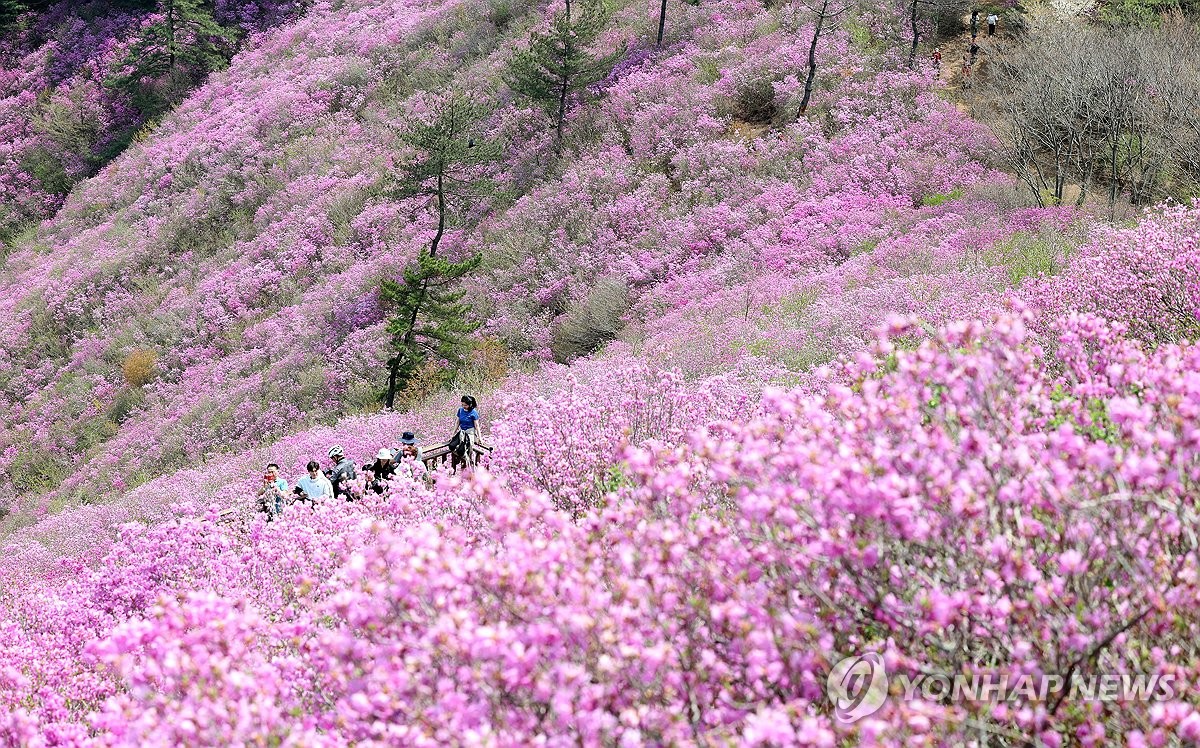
(468, 426)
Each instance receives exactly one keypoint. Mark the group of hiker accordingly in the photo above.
(318, 485)
(972, 53)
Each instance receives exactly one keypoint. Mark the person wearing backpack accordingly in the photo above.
(468, 426)
(341, 473)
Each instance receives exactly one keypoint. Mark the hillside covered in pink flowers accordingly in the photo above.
(764, 391)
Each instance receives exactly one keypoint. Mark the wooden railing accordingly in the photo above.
(435, 457)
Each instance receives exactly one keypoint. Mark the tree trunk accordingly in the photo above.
(916, 35)
(1112, 190)
(1059, 177)
(406, 343)
(812, 60)
(393, 372)
(662, 21)
(441, 200)
(562, 110)
(564, 88)
(171, 37)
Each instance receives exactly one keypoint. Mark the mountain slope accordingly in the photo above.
(238, 248)
(824, 387)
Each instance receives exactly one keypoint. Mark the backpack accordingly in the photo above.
(344, 471)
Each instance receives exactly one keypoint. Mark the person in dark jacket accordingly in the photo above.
(381, 471)
(408, 449)
(341, 473)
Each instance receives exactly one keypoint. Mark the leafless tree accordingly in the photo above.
(1085, 105)
(1170, 55)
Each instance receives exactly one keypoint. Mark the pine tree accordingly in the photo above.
(185, 41)
(431, 320)
(452, 160)
(11, 12)
(557, 64)
(826, 11)
(451, 167)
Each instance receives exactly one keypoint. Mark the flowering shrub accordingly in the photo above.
(1146, 277)
(563, 433)
(60, 114)
(927, 500)
(243, 237)
(676, 535)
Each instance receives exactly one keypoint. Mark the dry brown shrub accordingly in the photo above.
(140, 367)
(491, 358)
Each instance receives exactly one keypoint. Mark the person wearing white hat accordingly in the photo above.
(381, 471)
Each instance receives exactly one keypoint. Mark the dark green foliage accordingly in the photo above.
(37, 470)
(755, 100)
(431, 320)
(501, 14)
(47, 169)
(452, 162)
(557, 64)
(10, 13)
(592, 322)
(944, 15)
(172, 54)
